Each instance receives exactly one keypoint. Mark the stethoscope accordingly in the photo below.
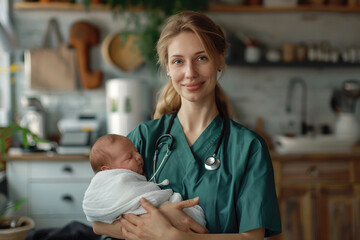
(211, 163)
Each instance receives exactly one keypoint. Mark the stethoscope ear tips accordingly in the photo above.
(164, 183)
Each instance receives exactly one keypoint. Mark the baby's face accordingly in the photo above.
(126, 156)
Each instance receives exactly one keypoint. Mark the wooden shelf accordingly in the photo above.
(61, 6)
(212, 8)
(296, 64)
(241, 8)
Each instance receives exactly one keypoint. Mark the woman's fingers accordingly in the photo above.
(188, 203)
(198, 228)
(129, 230)
(128, 235)
(147, 205)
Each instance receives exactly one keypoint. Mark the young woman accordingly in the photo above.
(236, 187)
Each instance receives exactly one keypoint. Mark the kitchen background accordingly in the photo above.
(254, 91)
(318, 188)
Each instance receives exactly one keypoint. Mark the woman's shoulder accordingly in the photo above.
(238, 128)
(239, 131)
(150, 127)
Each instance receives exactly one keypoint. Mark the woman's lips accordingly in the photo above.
(193, 86)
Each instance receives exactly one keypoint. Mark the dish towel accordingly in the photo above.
(112, 193)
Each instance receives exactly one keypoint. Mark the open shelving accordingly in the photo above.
(212, 7)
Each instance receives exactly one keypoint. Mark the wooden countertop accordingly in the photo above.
(355, 154)
(49, 156)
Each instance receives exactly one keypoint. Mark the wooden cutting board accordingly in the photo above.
(83, 36)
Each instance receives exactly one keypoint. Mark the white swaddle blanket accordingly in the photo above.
(112, 193)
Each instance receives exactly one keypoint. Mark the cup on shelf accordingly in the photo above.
(252, 54)
(288, 52)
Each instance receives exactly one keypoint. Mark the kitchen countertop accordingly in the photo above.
(46, 156)
(354, 154)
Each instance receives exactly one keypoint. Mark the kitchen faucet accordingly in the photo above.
(293, 82)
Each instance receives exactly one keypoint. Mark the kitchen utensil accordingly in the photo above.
(83, 35)
(122, 51)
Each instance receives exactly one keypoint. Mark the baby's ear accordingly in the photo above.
(105, 168)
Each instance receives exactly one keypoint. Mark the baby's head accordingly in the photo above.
(113, 151)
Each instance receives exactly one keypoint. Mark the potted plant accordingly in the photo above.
(11, 227)
(5, 139)
(155, 11)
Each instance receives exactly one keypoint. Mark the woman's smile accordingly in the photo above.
(193, 86)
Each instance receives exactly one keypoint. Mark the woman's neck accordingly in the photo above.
(195, 118)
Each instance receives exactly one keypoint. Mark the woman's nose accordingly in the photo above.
(190, 71)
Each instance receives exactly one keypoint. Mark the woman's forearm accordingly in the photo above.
(111, 230)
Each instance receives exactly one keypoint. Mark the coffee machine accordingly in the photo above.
(344, 103)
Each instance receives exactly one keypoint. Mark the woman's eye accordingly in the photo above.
(177, 61)
(202, 58)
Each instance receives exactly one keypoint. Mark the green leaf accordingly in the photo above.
(18, 204)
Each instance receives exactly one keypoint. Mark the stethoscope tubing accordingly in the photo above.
(213, 166)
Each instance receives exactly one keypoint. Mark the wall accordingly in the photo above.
(255, 92)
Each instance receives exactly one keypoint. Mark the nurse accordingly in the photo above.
(238, 197)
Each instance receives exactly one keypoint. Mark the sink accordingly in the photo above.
(312, 144)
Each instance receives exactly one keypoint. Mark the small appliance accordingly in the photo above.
(127, 104)
(344, 103)
(34, 116)
(77, 134)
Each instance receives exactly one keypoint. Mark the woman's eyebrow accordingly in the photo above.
(179, 55)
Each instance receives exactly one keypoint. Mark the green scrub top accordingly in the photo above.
(237, 197)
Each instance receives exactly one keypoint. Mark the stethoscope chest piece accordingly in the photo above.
(212, 163)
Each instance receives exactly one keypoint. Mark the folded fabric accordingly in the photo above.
(112, 193)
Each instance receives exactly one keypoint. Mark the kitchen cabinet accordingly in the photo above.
(319, 196)
(53, 187)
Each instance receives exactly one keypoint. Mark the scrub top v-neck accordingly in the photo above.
(237, 197)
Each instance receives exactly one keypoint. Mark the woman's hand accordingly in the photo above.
(152, 225)
(179, 219)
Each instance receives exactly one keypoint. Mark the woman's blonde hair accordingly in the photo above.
(213, 39)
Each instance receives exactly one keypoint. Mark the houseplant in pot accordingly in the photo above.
(11, 227)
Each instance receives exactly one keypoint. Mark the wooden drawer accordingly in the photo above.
(59, 169)
(57, 198)
(314, 171)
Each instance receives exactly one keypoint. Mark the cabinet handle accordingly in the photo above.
(67, 169)
(67, 198)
